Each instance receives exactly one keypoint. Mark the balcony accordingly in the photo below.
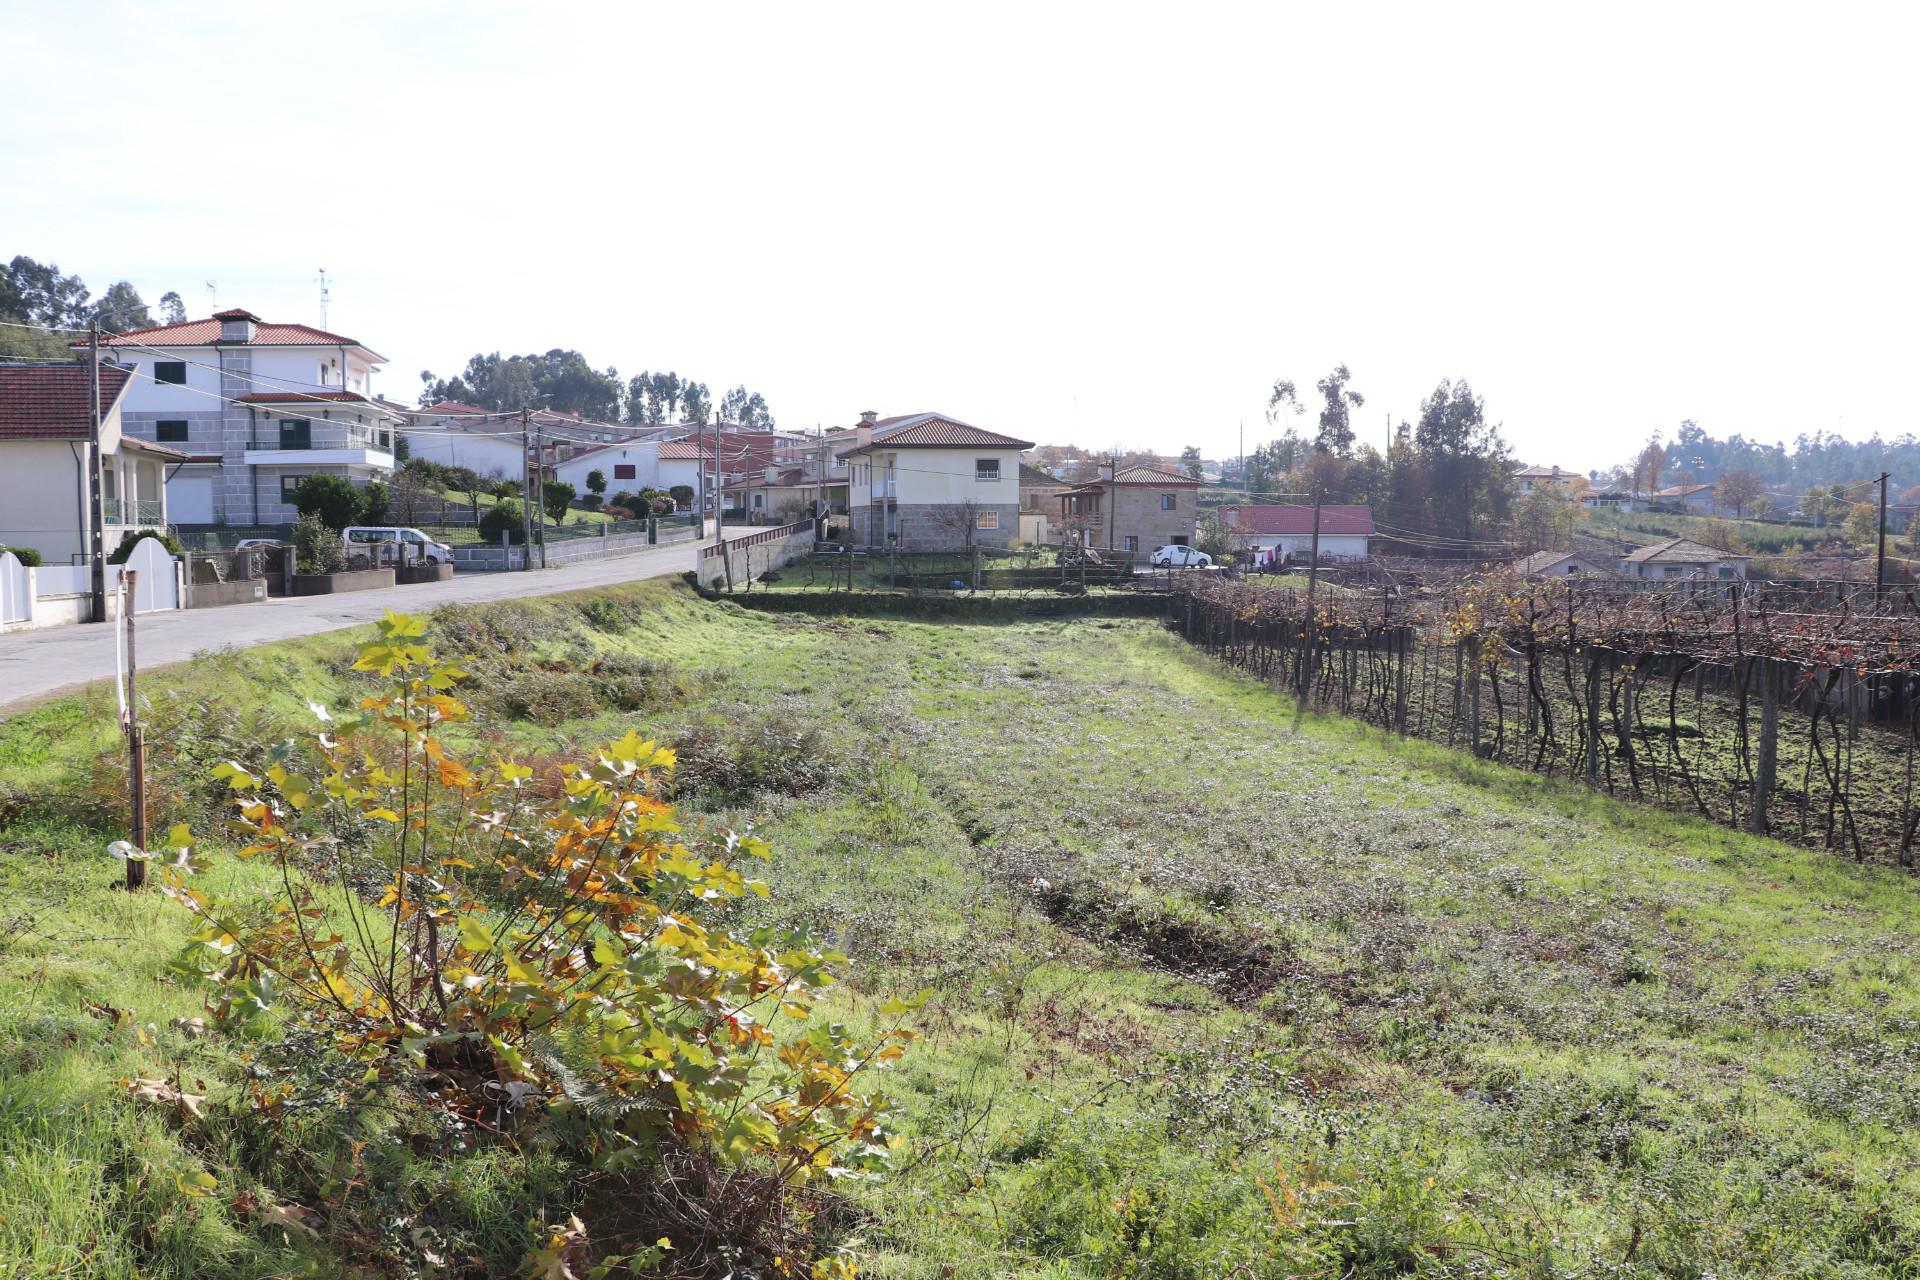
(321, 444)
(131, 514)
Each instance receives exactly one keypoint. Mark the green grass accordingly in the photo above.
(1183, 942)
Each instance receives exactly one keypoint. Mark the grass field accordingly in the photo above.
(1219, 990)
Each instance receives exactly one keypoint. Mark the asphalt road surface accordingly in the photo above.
(36, 665)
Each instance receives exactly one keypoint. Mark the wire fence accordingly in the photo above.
(1786, 708)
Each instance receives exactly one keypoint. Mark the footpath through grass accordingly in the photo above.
(1219, 990)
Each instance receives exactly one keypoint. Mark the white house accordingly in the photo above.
(257, 407)
(1527, 479)
(1682, 558)
(455, 434)
(629, 466)
(1559, 564)
(1693, 497)
(45, 435)
(927, 482)
(1344, 530)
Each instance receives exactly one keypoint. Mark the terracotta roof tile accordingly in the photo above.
(934, 431)
(1680, 551)
(206, 333)
(50, 401)
(1292, 520)
(303, 397)
(683, 451)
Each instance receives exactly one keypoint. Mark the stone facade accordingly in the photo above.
(936, 526)
(1137, 511)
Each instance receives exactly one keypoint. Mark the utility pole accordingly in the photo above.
(1112, 499)
(540, 487)
(526, 485)
(1880, 546)
(96, 536)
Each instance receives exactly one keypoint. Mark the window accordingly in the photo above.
(986, 520)
(623, 471)
(1166, 502)
(987, 469)
(1180, 541)
(288, 486)
(170, 432)
(174, 371)
(296, 433)
(1130, 543)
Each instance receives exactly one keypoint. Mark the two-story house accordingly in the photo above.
(928, 482)
(1136, 509)
(46, 430)
(257, 407)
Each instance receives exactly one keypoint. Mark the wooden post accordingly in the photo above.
(1767, 765)
(136, 740)
(1593, 716)
(1473, 700)
(1400, 683)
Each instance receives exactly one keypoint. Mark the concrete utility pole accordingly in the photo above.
(1880, 547)
(96, 535)
(540, 487)
(526, 486)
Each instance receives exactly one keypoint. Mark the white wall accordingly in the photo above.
(486, 454)
(643, 457)
(1344, 545)
(937, 476)
(190, 495)
(40, 495)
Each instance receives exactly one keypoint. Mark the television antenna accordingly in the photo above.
(213, 293)
(325, 296)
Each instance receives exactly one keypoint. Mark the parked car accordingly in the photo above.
(1177, 557)
(416, 547)
(259, 544)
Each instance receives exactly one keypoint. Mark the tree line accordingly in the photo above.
(1446, 475)
(38, 293)
(566, 381)
(1817, 460)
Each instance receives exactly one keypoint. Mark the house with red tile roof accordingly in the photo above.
(1284, 527)
(46, 428)
(929, 482)
(258, 406)
(1134, 510)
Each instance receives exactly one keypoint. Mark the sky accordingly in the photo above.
(1106, 224)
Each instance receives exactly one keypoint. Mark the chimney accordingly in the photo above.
(863, 434)
(237, 325)
(869, 417)
(1106, 471)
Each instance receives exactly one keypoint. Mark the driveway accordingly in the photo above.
(36, 665)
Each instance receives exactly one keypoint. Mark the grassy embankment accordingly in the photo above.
(1216, 988)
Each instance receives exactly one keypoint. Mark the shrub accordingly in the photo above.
(378, 502)
(596, 482)
(28, 556)
(503, 517)
(558, 964)
(556, 497)
(127, 544)
(617, 513)
(624, 499)
(773, 754)
(316, 547)
(337, 500)
(682, 494)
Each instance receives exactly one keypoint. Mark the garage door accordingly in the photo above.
(190, 496)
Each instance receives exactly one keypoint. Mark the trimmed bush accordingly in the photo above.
(28, 556)
(316, 547)
(125, 549)
(503, 517)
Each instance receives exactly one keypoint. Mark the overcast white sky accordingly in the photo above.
(1103, 223)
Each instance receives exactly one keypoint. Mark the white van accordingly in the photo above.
(364, 549)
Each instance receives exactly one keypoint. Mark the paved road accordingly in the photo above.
(36, 665)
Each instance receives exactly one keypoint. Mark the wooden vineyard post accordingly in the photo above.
(1767, 764)
(1473, 698)
(1593, 716)
(1400, 683)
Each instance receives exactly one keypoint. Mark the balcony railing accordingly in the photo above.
(119, 511)
(306, 441)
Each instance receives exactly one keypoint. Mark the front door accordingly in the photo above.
(296, 434)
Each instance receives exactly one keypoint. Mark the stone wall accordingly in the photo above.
(1135, 509)
(937, 526)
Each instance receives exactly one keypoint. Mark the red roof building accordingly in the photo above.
(1294, 521)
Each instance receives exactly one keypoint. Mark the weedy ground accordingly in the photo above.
(1220, 990)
